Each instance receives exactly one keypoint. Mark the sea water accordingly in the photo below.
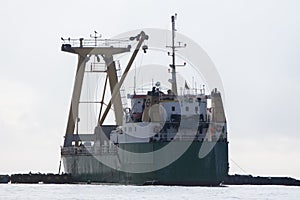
(120, 192)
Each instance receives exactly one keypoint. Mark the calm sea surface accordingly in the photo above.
(82, 192)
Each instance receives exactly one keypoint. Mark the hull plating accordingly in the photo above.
(189, 169)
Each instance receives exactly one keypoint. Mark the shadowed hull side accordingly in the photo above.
(189, 169)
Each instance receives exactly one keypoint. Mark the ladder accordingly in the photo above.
(122, 89)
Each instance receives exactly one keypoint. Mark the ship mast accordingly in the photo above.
(173, 47)
(174, 83)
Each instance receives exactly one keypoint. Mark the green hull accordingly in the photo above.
(189, 169)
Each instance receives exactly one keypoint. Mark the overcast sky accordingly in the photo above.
(254, 44)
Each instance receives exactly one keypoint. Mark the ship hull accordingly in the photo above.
(188, 169)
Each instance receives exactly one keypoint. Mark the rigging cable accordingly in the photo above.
(239, 166)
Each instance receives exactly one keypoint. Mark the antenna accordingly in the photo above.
(96, 36)
(193, 84)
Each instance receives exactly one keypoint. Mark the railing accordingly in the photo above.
(82, 150)
(81, 42)
(96, 67)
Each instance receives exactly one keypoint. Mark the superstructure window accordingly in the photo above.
(187, 109)
(173, 108)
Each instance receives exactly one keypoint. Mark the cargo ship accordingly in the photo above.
(163, 137)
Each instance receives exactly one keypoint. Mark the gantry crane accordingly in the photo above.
(85, 48)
